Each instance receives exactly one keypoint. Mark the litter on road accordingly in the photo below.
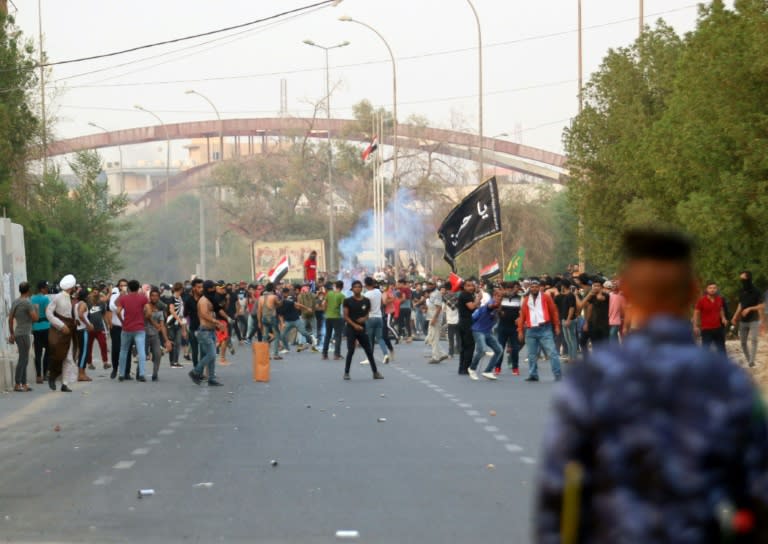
(146, 493)
(273, 462)
(347, 535)
(204, 484)
(382, 420)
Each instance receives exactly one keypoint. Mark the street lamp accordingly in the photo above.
(120, 151)
(218, 116)
(167, 149)
(332, 210)
(480, 85)
(395, 179)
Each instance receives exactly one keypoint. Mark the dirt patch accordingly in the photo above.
(760, 370)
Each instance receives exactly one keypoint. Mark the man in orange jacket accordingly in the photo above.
(538, 324)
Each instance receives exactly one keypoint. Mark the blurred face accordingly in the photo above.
(123, 286)
(712, 289)
(154, 297)
(469, 286)
(535, 289)
(597, 288)
(357, 288)
(198, 289)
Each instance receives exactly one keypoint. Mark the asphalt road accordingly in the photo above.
(454, 460)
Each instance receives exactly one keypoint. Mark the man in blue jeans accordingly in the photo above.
(483, 320)
(539, 322)
(206, 336)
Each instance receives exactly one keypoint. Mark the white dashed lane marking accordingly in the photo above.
(511, 448)
(122, 465)
(167, 431)
(140, 451)
(153, 441)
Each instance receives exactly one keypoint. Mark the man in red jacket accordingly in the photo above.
(539, 323)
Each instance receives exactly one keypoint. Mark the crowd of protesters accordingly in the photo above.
(558, 318)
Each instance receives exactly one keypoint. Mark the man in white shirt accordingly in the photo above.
(374, 326)
(116, 326)
(434, 316)
(62, 341)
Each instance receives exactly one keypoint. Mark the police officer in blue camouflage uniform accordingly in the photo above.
(655, 440)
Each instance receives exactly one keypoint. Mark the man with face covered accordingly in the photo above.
(62, 342)
(748, 314)
(538, 324)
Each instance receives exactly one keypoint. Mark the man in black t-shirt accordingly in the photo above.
(748, 315)
(190, 308)
(566, 309)
(356, 309)
(597, 303)
(466, 303)
(508, 313)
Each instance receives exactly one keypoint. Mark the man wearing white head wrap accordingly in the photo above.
(61, 339)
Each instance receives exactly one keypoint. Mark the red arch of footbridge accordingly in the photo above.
(500, 153)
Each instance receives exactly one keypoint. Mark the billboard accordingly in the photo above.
(265, 255)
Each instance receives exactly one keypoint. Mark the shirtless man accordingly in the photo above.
(267, 317)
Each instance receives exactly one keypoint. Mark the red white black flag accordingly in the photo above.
(373, 146)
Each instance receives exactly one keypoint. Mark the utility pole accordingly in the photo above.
(42, 85)
(642, 17)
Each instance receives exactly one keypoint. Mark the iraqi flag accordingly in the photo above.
(373, 146)
(279, 271)
(490, 271)
(456, 282)
(260, 277)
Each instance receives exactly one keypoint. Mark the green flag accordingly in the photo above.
(515, 267)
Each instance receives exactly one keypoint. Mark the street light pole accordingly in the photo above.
(121, 186)
(218, 116)
(331, 199)
(395, 178)
(167, 149)
(480, 87)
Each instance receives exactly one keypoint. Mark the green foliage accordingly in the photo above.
(675, 132)
(17, 122)
(73, 231)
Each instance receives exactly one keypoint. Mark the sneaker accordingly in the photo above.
(386, 359)
(532, 379)
(377, 376)
(364, 362)
(473, 374)
(346, 376)
(284, 351)
(193, 376)
(277, 358)
(300, 349)
(141, 379)
(489, 376)
(497, 370)
(324, 357)
(314, 349)
(214, 383)
(434, 361)
(489, 353)
(232, 351)
(154, 377)
(337, 357)
(187, 357)
(444, 358)
(247, 342)
(515, 371)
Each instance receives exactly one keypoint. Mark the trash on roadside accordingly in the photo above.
(347, 535)
(382, 420)
(273, 462)
(146, 493)
(204, 484)
(492, 412)
(490, 466)
(309, 406)
(57, 428)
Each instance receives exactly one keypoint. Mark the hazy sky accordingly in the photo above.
(530, 59)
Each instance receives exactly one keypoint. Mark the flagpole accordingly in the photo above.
(501, 244)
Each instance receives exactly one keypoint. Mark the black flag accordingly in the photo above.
(478, 216)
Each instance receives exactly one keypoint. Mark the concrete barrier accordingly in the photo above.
(13, 267)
